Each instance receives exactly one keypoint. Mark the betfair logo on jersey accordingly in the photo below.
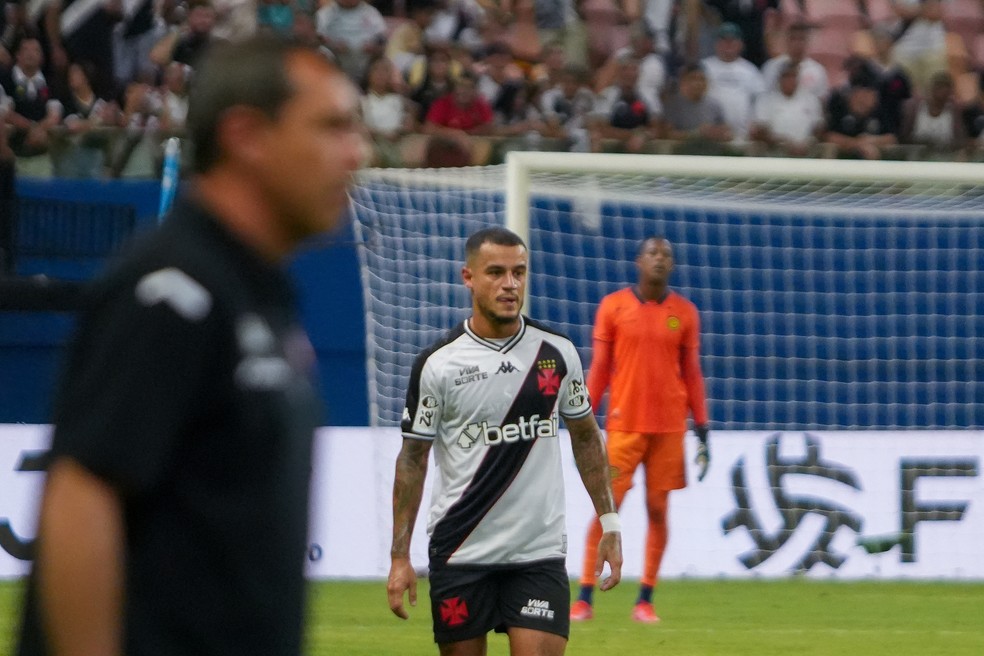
(531, 429)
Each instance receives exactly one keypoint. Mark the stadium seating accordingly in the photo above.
(837, 15)
(964, 17)
(880, 11)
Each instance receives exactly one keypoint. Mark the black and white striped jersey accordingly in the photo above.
(492, 409)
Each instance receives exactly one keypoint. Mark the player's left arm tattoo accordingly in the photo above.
(592, 462)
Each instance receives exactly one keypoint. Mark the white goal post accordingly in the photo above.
(520, 165)
(833, 294)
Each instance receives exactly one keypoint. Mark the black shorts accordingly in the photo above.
(469, 601)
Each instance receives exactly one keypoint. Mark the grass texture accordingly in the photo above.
(700, 617)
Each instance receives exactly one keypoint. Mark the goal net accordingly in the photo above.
(833, 294)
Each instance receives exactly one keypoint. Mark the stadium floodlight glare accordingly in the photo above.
(833, 294)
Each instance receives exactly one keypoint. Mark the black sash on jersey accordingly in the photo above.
(500, 465)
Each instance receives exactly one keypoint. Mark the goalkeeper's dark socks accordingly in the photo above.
(587, 592)
(645, 594)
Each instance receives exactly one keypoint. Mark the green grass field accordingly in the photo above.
(733, 618)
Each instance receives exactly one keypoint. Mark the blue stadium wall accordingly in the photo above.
(792, 379)
(32, 343)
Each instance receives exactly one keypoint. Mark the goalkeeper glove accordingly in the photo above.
(703, 458)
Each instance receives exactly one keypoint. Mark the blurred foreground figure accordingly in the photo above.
(175, 514)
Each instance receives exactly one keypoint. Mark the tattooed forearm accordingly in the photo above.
(592, 462)
(408, 488)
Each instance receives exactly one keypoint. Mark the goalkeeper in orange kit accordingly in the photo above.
(646, 349)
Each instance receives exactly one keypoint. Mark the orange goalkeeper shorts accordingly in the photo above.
(662, 454)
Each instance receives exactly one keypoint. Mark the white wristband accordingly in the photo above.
(610, 523)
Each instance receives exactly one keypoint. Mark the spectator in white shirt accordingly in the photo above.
(658, 15)
(354, 31)
(386, 113)
(812, 74)
(920, 45)
(790, 118)
(733, 80)
(934, 120)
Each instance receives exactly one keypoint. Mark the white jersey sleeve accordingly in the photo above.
(573, 401)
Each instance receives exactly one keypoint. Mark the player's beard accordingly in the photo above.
(498, 319)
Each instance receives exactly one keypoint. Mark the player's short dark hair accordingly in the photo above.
(495, 235)
(647, 239)
(251, 73)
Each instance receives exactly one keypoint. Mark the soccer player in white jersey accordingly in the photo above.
(488, 398)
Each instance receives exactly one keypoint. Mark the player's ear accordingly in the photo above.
(241, 130)
(466, 275)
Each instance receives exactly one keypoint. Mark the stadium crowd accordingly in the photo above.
(91, 88)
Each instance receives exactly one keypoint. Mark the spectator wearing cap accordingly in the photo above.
(812, 74)
(789, 118)
(733, 80)
(652, 71)
(754, 18)
(622, 114)
(855, 124)
(691, 114)
(933, 120)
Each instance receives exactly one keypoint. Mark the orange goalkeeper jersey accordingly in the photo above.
(653, 369)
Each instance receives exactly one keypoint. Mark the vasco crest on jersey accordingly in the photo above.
(547, 380)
